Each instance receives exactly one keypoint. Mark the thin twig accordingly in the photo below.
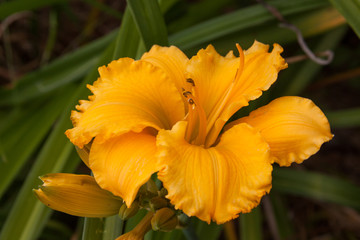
(298, 58)
(12, 18)
(285, 24)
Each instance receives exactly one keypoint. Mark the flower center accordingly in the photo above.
(196, 117)
(201, 130)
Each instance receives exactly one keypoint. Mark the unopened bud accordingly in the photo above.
(164, 219)
(125, 213)
(163, 192)
(151, 186)
(157, 203)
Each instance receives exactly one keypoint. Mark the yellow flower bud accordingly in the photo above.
(165, 220)
(77, 195)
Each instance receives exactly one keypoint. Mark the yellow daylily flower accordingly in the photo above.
(166, 113)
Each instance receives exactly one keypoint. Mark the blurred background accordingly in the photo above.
(50, 49)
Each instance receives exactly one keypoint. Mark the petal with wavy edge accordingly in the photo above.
(172, 60)
(213, 75)
(129, 96)
(77, 195)
(215, 183)
(123, 163)
(294, 127)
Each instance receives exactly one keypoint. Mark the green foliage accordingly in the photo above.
(351, 11)
(35, 110)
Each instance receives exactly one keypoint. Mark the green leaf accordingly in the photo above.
(105, 8)
(206, 231)
(27, 214)
(316, 186)
(251, 225)
(350, 9)
(310, 23)
(238, 20)
(93, 229)
(283, 223)
(11, 7)
(113, 228)
(124, 47)
(60, 72)
(149, 22)
(22, 138)
(344, 118)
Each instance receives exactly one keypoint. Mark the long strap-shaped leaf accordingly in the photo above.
(317, 186)
(350, 9)
(149, 22)
(27, 212)
(238, 20)
(344, 118)
(250, 225)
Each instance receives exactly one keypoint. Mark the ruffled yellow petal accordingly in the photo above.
(222, 90)
(77, 195)
(123, 163)
(212, 75)
(215, 183)
(260, 71)
(129, 96)
(172, 60)
(294, 127)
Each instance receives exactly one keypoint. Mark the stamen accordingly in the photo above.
(211, 133)
(196, 129)
(189, 80)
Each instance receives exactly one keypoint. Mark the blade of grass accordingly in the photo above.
(113, 228)
(11, 7)
(105, 8)
(22, 138)
(93, 229)
(238, 20)
(194, 13)
(21, 215)
(149, 22)
(60, 72)
(206, 231)
(125, 48)
(310, 23)
(351, 11)
(284, 226)
(53, 24)
(344, 118)
(316, 186)
(250, 225)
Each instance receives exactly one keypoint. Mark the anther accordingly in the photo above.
(191, 101)
(186, 93)
(189, 80)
